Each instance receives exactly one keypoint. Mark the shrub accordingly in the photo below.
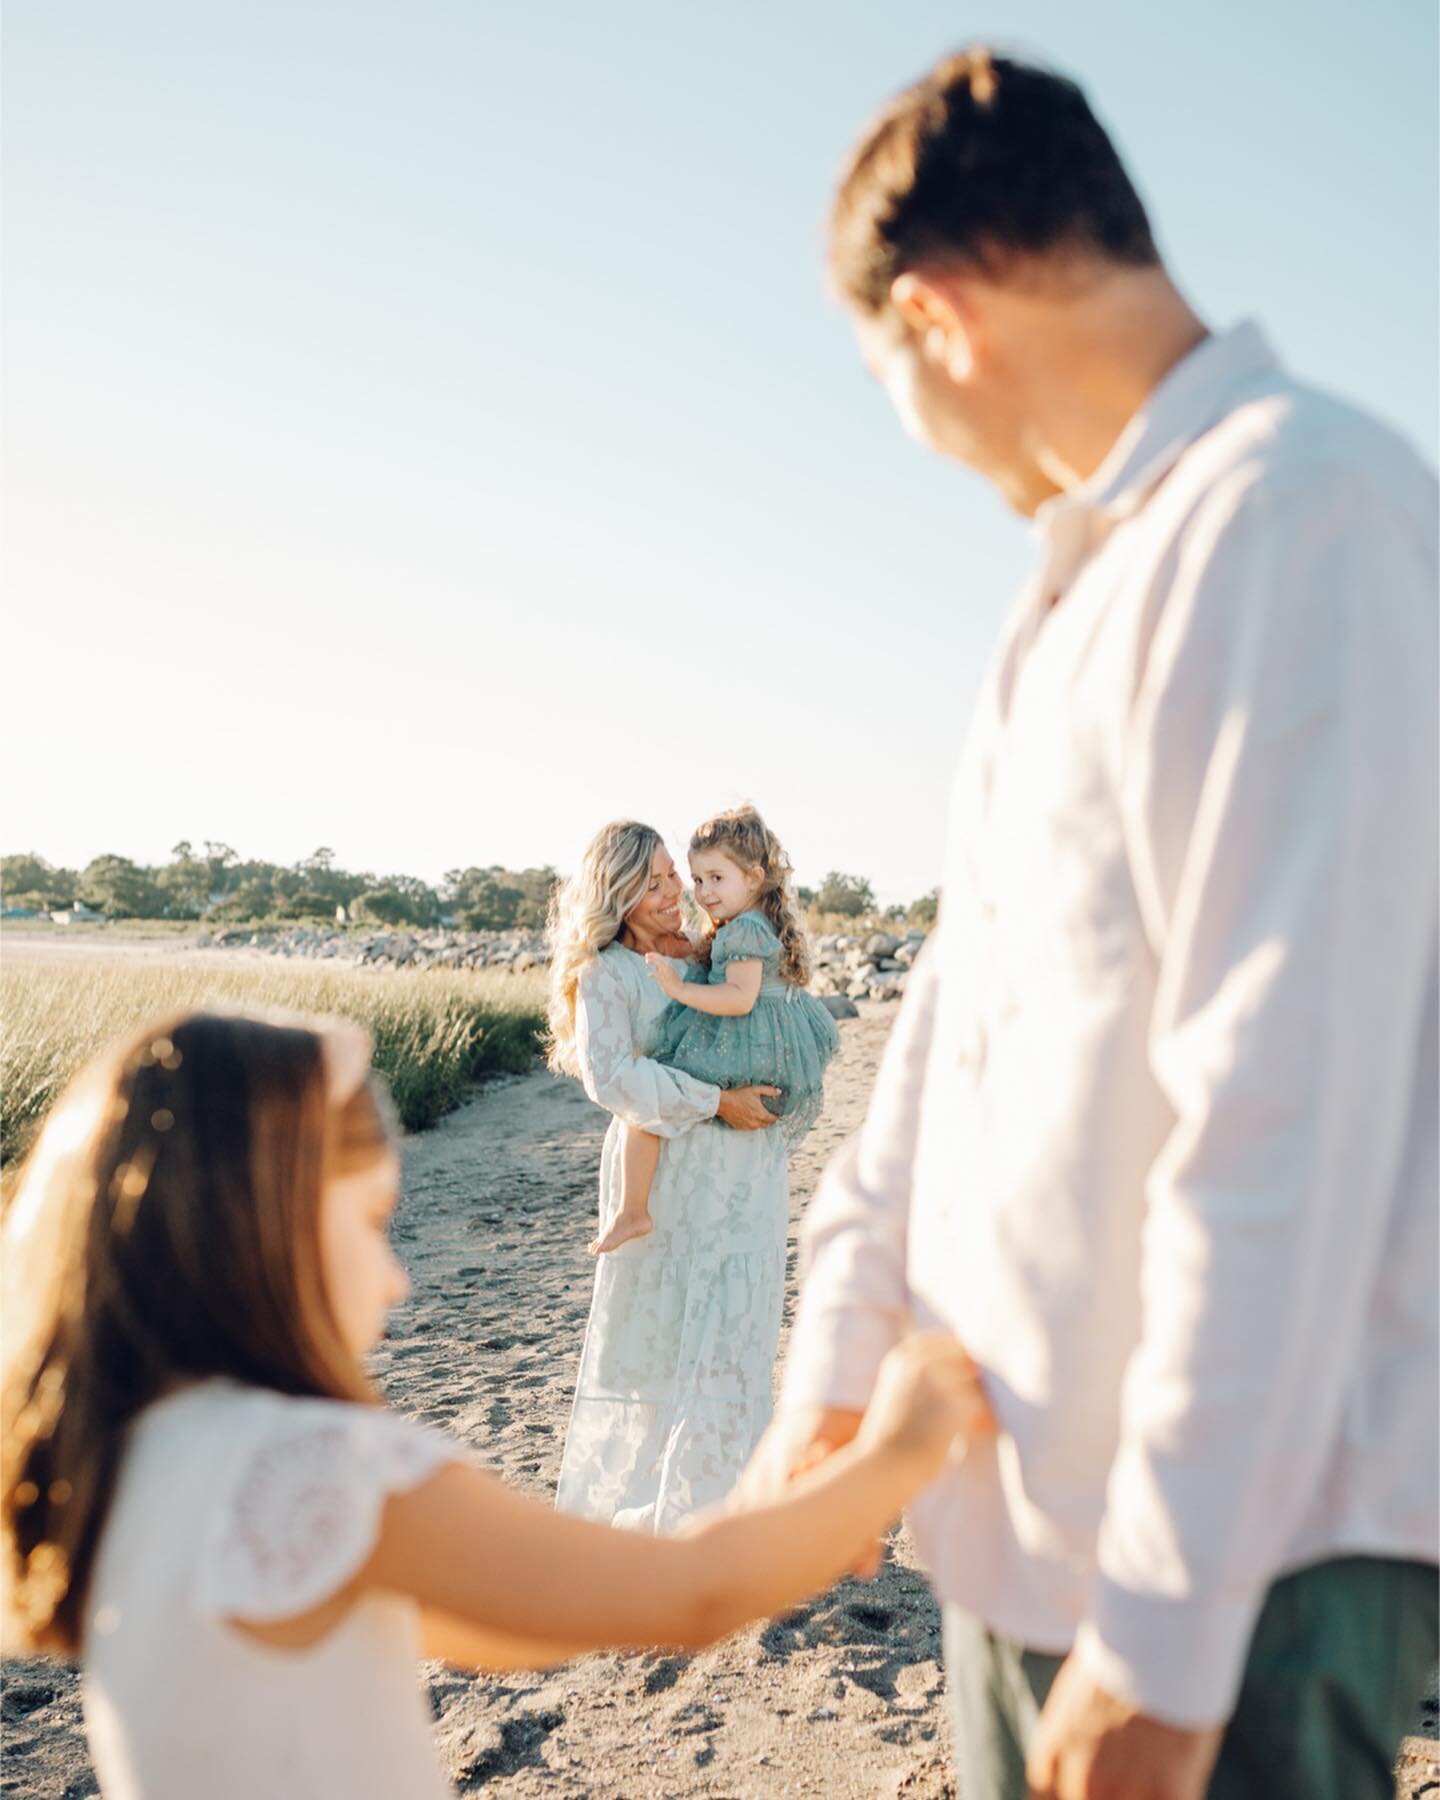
(32, 882)
(120, 889)
(849, 895)
(497, 899)
(395, 905)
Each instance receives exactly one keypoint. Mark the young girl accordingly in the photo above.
(747, 1019)
(203, 1497)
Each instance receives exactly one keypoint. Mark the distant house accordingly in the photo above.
(78, 914)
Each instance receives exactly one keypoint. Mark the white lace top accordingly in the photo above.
(241, 1503)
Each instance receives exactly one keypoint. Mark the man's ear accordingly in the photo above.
(937, 311)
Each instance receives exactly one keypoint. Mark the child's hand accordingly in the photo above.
(666, 974)
(928, 1401)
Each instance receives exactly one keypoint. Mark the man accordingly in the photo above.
(1156, 1129)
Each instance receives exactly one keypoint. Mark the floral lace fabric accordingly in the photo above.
(675, 1381)
(302, 1513)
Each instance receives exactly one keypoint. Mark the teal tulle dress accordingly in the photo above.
(784, 1041)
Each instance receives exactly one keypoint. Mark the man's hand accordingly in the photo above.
(744, 1108)
(1091, 1746)
(797, 1441)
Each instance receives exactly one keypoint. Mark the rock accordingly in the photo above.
(839, 1006)
(887, 986)
(847, 967)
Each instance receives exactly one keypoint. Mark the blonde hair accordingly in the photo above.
(587, 913)
(745, 837)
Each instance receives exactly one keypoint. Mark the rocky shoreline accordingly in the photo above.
(515, 951)
(870, 967)
(862, 966)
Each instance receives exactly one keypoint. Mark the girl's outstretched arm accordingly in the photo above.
(452, 1640)
(506, 1581)
(731, 998)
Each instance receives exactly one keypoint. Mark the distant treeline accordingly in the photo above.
(219, 886)
(215, 884)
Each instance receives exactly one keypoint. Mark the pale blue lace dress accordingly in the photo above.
(785, 1040)
(674, 1388)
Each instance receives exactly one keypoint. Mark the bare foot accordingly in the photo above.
(627, 1226)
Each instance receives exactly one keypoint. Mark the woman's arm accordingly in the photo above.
(514, 1579)
(636, 1089)
(731, 998)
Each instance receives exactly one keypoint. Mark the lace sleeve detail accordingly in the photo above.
(302, 1514)
(746, 939)
(644, 1093)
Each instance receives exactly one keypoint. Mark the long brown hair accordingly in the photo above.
(166, 1228)
(745, 837)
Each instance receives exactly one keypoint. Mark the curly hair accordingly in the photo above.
(587, 913)
(745, 837)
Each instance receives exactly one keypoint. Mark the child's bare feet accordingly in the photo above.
(626, 1226)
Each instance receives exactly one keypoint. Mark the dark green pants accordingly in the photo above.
(1333, 1681)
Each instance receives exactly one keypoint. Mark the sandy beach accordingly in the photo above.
(843, 1698)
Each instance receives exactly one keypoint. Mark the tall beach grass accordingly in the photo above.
(434, 1032)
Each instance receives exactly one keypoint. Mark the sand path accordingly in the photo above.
(841, 1699)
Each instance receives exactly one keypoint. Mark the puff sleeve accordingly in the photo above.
(301, 1514)
(746, 939)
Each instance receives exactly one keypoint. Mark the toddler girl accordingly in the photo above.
(745, 1020)
(203, 1496)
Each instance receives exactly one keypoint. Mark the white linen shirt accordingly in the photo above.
(1156, 1129)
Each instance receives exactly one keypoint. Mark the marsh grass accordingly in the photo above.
(434, 1032)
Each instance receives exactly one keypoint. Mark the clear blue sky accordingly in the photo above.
(427, 434)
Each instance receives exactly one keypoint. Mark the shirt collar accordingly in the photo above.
(1200, 389)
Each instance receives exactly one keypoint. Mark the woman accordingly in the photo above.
(674, 1389)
